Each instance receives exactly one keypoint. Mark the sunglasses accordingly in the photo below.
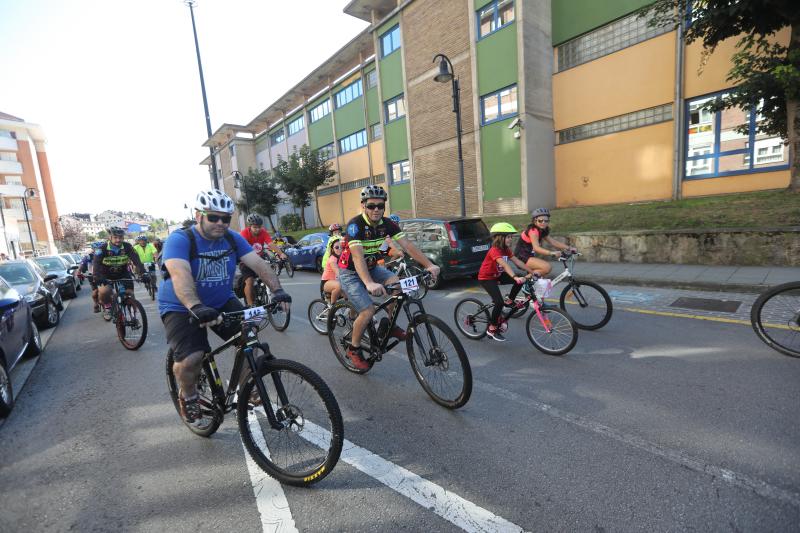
(542, 220)
(372, 207)
(226, 219)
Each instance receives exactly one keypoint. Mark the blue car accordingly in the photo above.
(308, 251)
(18, 336)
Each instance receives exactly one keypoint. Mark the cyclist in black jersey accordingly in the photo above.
(111, 263)
(359, 275)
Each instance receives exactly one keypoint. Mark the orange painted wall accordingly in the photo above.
(38, 222)
(329, 209)
(630, 166)
(743, 183)
(352, 203)
(634, 78)
(47, 184)
(713, 76)
(354, 165)
(378, 159)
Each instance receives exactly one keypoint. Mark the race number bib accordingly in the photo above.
(253, 312)
(409, 285)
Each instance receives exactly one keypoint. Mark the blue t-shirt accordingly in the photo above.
(213, 277)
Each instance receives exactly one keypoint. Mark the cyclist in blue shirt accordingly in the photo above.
(199, 264)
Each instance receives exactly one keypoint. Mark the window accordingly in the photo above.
(328, 191)
(399, 172)
(495, 15)
(328, 151)
(375, 131)
(390, 41)
(320, 111)
(353, 142)
(8, 156)
(277, 137)
(499, 105)
(614, 36)
(395, 108)
(296, 125)
(358, 184)
(348, 94)
(645, 117)
(372, 79)
(715, 146)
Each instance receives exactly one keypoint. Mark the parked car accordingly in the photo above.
(457, 245)
(19, 337)
(68, 284)
(37, 287)
(308, 251)
(73, 259)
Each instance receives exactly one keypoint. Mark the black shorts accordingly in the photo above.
(128, 284)
(185, 338)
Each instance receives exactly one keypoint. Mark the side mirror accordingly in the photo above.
(51, 277)
(71, 270)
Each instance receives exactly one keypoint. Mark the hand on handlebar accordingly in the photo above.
(376, 289)
(206, 316)
(434, 270)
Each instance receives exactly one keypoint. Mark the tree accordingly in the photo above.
(299, 177)
(767, 74)
(259, 194)
(71, 235)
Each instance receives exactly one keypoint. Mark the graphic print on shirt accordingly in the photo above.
(213, 270)
(257, 248)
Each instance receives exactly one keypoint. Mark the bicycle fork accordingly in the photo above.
(252, 339)
(548, 326)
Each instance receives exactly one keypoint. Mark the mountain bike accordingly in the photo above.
(551, 330)
(279, 264)
(128, 316)
(149, 280)
(775, 317)
(435, 353)
(404, 269)
(589, 304)
(276, 314)
(288, 418)
(318, 314)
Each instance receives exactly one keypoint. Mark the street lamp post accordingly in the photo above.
(214, 180)
(29, 193)
(447, 73)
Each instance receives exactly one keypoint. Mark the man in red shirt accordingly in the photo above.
(261, 241)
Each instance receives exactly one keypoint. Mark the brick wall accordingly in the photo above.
(431, 27)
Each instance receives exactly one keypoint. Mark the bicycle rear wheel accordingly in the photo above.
(209, 406)
(589, 304)
(439, 361)
(318, 316)
(132, 324)
(775, 317)
(308, 443)
(472, 318)
(289, 268)
(340, 326)
(562, 334)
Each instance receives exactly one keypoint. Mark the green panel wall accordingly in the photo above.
(396, 141)
(497, 60)
(373, 106)
(575, 17)
(500, 161)
(400, 197)
(480, 3)
(350, 118)
(320, 133)
(391, 75)
(276, 128)
(388, 24)
(293, 117)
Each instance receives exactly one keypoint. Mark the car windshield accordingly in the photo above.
(49, 263)
(16, 273)
(470, 229)
(66, 257)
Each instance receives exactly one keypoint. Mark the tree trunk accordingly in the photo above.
(271, 224)
(316, 206)
(302, 217)
(793, 119)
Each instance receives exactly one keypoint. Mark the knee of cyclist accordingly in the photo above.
(367, 313)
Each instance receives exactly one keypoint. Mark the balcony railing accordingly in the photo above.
(8, 144)
(10, 167)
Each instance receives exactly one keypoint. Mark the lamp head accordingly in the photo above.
(444, 74)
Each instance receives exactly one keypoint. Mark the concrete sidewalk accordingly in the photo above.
(723, 278)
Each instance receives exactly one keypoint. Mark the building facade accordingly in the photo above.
(25, 182)
(563, 103)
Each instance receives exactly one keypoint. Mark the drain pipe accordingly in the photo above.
(679, 117)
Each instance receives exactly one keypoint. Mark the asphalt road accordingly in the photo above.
(656, 422)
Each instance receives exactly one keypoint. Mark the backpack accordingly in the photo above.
(193, 250)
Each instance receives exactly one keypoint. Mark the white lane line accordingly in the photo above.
(271, 502)
(444, 503)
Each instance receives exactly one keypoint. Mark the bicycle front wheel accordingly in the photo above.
(289, 268)
(472, 318)
(132, 325)
(305, 444)
(589, 304)
(208, 404)
(775, 317)
(279, 317)
(439, 361)
(318, 316)
(552, 331)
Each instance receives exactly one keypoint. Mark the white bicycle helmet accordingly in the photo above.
(373, 191)
(214, 200)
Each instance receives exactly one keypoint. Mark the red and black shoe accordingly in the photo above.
(354, 353)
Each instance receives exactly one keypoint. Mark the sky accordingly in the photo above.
(114, 85)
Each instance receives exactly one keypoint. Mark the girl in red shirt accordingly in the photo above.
(496, 270)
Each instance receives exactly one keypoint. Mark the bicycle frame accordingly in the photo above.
(379, 346)
(530, 296)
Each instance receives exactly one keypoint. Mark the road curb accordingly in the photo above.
(753, 288)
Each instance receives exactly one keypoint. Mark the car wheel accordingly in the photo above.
(318, 265)
(6, 392)
(59, 301)
(73, 291)
(34, 342)
(52, 317)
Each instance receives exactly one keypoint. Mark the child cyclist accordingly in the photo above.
(531, 240)
(329, 286)
(496, 270)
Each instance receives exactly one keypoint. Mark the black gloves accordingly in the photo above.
(281, 296)
(204, 313)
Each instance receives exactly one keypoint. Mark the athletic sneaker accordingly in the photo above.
(96, 308)
(355, 357)
(398, 333)
(192, 413)
(494, 332)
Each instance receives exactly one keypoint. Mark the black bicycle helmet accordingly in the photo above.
(540, 212)
(254, 220)
(117, 231)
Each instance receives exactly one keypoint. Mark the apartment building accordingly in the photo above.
(25, 181)
(563, 103)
